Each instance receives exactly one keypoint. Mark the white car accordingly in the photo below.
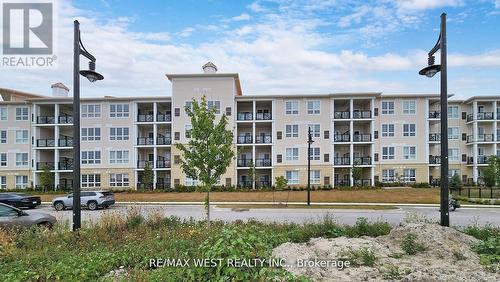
(90, 199)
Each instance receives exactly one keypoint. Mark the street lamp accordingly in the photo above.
(92, 76)
(309, 142)
(430, 71)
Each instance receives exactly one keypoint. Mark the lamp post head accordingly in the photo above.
(430, 71)
(91, 74)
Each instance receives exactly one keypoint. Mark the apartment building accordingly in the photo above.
(390, 137)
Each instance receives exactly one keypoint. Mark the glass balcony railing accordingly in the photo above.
(263, 116)
(434, 159)
(362, 160)
(434, 114)
(43, 165)
(68, 165)
(163, 164)
(244, 163)
(65, 141)
(142, 163)
(65, 119)
(358, 114)
(433, 137)
(164, 140)
(163, 117)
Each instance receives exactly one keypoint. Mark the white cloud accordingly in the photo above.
(256, 7)
(418, 5)
(242, 17)
(186, 32)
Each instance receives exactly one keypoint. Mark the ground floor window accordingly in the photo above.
(292, 176)
(315, 177)
(409, 175)
(3, 182)
(119, 180)
(91, 180)
(21, 181)
(388, 175)
(190, 182)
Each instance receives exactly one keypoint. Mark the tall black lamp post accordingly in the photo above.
(92, 76)
(430, 71)
(309, 142)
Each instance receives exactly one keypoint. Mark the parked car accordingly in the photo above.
(90, 199)
(11, 217)
(20, 200)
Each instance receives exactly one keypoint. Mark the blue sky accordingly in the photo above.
(276, 46)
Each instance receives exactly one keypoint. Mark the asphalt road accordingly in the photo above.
(460, 217)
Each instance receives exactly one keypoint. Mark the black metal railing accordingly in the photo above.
(358, 114)
(261, 184)
(346, 137)
(164, 140)
(245, 184)
(45, 119)
(481, 138)
(470, 160)
(65, 119)
(244, 162)
(163, 163)
(245, 116)
(263, 116)
(42, 165)
(485, 116)
(145, 141)
(342, 182)
(341, 161)
(142, 164)
(470, 117)
(45, 143)
(161, 117)
(164, 185)
(362, 182)
(263, 138)
(65, 165)
(262, 162)
(434, 159)
(144, 186)
(145, 118)
(498, 114)
(245, 139)
(434, 137)
(483, 159)
(65, 141)
(362, 160)
(477, 192)
(362, 138)
(342, 115)
(435, 114)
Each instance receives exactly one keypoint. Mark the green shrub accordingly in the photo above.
(362, 256)
(410, 245)
(489, 250)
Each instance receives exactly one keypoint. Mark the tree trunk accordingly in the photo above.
(208, 207)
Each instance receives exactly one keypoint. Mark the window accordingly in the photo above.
(3, 136)
(119, 110)
(21, 181)
(22, 113)
(191, 182)
(292, 130)
(91, 111)
(315, 154)
(387, 130)
(187, 130)
(315, 130)
(3, 159)
(409, 107)
(388, 108)
(453, 154)
(409, 175)
(292, 176)
(388, 153)
(3, 182)
(91, 134)
(292, 154)
(388, 175)
(409, 129)
(453, 133)
(91, 180)
(21, 159)
(313, 107)
(214, 104)
(409, 152)
(292, 107)
(118, 180)
(3, 113)
(453, 112)
(22, 137)
(188, 105)
(315, 176)
(118, 133)
(453, 172)
(118, 157)
(91, 157)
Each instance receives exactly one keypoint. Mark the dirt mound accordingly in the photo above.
(441, 254)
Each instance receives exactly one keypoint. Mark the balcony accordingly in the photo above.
(342, 182)
(342, 115)
(470, 160)
(145, 141)
(65, 141)
(42, 165)
(481, 138)
(142, 164)
(164, 117)
(45, 143)
(163, 140)
(498, 114)
(245, 116)
(163, 163)
(262, 162)
(245, 184)
(244, 162)
(45, 119)
(362, 138)
(341, 161)
(263, 139)
(65, 119)
(485, 116)
(245, 140)
(483, 160)
(145, 118)
(434, 159)
(263, 116)
(163, 186)
(434, 137)
(68, 165)
(435, 114)
(358, 114)
(362, 160)
(346, 137)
